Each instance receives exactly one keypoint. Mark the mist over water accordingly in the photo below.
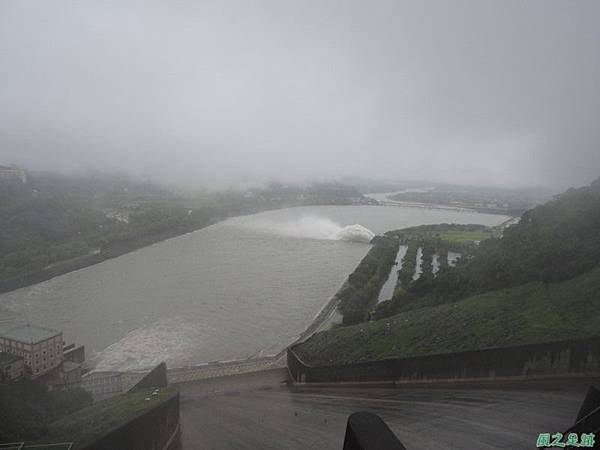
(312, 227)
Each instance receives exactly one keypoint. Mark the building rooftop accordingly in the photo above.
(6, 358)
(29, 334)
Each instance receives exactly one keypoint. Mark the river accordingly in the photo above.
(243, 287)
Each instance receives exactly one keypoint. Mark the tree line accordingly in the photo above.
(360, 294)
(552, 242)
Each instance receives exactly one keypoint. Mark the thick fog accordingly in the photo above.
(232, 92)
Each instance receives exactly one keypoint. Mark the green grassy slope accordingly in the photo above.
(530, 313)
(93, 422)
(466, 236)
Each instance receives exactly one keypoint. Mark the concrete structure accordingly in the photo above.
(41, 348)
(156, 378)
(102, 385)
(74, 354)
(106, 384)
(157, 428)
(71, 374)
(260, 410)
(559, 359)
(12, 367)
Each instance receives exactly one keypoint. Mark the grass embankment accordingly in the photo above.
(532, 313)
(467, 236)
(434, 241)
(359, 295)
(89, 424)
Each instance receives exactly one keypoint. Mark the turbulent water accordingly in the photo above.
(243, 287)
(310, 227)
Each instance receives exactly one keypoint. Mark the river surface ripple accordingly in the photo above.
(243, 287)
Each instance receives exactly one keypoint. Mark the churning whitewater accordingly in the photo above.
(247, 286)
(355, 233)
(311, 227)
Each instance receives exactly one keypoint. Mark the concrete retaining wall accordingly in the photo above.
(553, 359)
(156, 378)
(158, 429)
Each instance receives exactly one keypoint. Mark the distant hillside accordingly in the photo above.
(46, 219)
(511, 202)
(50, 223)
(539, 281)
(31, 214)
(554, 241)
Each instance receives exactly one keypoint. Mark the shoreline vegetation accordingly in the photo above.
(85, 221)
(110, 251)
(356, 299)
(529, 314)
(361, 292)
(157, 215)
(536, 281)
(51, 225)
(359, 300)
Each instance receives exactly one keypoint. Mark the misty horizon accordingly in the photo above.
(204, 95)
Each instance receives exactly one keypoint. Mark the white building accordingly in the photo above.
(41, 348)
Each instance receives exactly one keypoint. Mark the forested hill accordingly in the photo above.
(30, 214)
(47, 208)
(48, 219)
(539, 282)
(552, 242)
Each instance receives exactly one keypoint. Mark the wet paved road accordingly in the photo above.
(259, 411)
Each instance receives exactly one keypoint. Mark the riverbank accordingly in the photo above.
(485, 200)
(121, 247)
(328, 316)
(244, 287)
(52, 224)
(529, 314)
(322, 321)
(536, 285)
(111, 251)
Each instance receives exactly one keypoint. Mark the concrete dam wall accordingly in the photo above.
(548, 360)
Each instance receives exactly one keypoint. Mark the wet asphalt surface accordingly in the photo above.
(261, 411)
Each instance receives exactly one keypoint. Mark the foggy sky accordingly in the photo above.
(225, 92)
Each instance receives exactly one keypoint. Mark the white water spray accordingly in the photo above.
(355, 233)
(313, 227)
